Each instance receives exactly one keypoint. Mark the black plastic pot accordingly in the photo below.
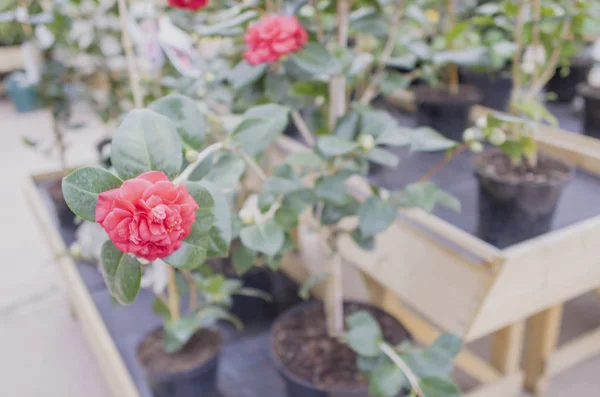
(200, 381)
(495, 87)
(591, 118)
(447, 114)
(513, 211)
(65, 216)
(565, 87)
(253, 309)
(298, 387)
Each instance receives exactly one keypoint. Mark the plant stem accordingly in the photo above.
(320, 32)
(215, 147)
(535, 41)
(337, 84)
(193, 292)
(451, 68)
(255, 167)
(516, 66)
(303, 128)
(443, 163)
(134, 78)
(371, 90)
(396, 359)
(173, 295)
(334, 298)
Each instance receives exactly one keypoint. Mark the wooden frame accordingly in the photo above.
(475, 289)
(11, 58)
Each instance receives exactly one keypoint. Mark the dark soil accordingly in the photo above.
(301, 344)
(465, 94)
(203, 346)
(496, 165)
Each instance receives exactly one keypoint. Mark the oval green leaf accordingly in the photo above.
(82, 187)
(186, 115)
(122, 273)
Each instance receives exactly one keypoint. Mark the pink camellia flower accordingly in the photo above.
(188, 4)
(272, 37)
(147, 216)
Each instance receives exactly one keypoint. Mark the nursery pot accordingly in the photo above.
(253, 309)
(565, 87)
(311, 363)
(591, 118)
(190, 372)
(65, 216)
(444, 112)
(495, 87)
(517, 204)
(23, 94)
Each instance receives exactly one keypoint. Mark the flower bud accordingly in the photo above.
(497, 137)
(471, 134)
(246, 217)
(476, 147)
(481, 122)
(143, 261)
(75, 250)
(320, 100)
(366, 142)
(209, 77)
(191, 155)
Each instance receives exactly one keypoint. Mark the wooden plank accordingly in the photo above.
(441, 284)
(11, 59)
(574, 352)
(507, 346)
(111, 363)
(540, 273)
(404, 99)
(508, 387)
(542, 337)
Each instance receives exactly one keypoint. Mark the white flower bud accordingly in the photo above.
(143, 261)
(320, 100)
(209, 77)
(366, 142)
(75, 250)
(481, 122)
(191, 155)
(247, 217)
(497, 137)
(476, 147)
(471, 134)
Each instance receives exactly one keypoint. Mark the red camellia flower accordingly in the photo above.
(147, 216)
(188, 4)
(272, 37)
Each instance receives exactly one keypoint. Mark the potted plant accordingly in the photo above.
(590, 91)
(519, 187)
(443, 103)
(493, 30)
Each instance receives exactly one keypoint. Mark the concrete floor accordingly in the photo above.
(42, 349)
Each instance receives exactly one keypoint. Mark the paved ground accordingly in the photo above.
(42, 349)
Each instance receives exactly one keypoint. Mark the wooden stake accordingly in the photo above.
(134, 78)
(334, 297)
(337, 84)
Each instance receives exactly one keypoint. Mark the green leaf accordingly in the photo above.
(426, 195)
(332, 189)
(307, 160)
(448, 343)
(394, 136)
(205, 216)
(81, 189)
(439, 387)
(383, 157)
(242, 259)
(474, 56)
(426, 139)
(227, 26)
(254, 293)
(146, 141)
(244, 74)
(315, 59)
(387, 381)
(178, 332)
(406, 61)
(189, 256)
(161, 309)
(227, 170)
(334, 146)
(203, 167)
(122, 273)
(267, 237)
(276, 185)
(286, 218)
(394, 81)
(347, 126)
(208, 316)
(276, 87)
(300, 199)
(219, 237)
(261, 126)
(375, 216)
(364, 334)
(312, 281)
(366, 243)
(186, 115)
(536, 111)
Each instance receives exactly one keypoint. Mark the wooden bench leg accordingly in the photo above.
(542, 338)
(507, 345)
